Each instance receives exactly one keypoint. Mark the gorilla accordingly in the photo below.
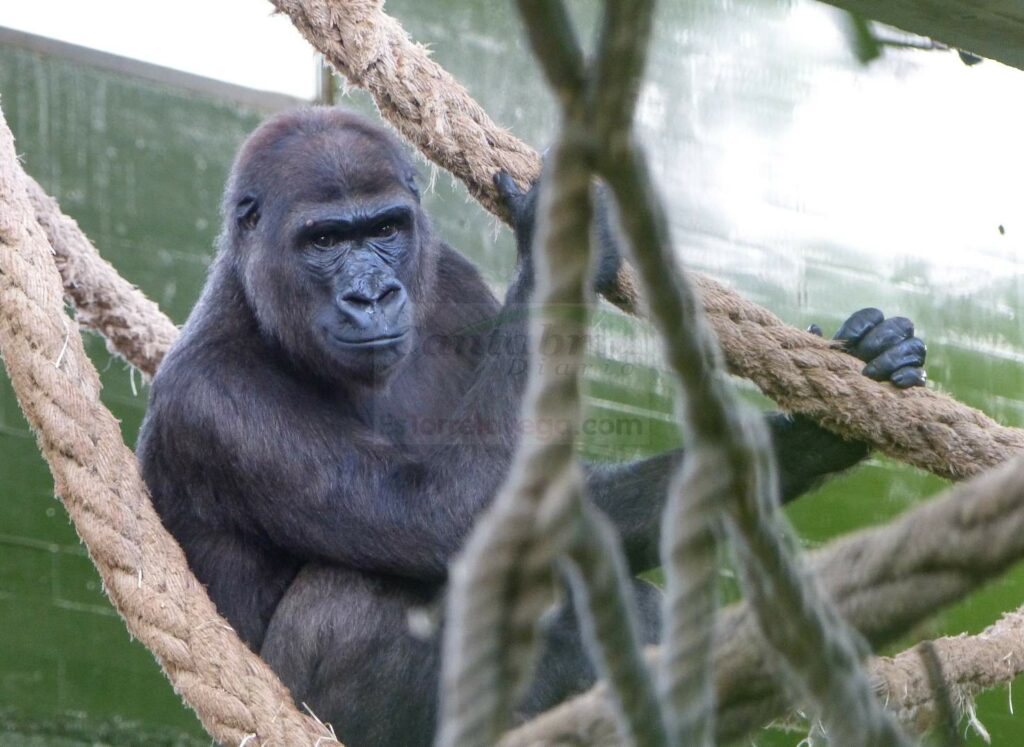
(284, 443)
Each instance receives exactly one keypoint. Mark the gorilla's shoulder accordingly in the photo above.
(459, 279)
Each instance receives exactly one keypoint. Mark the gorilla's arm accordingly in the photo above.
(360, 503)
(311, 496)
(633, 495)
(381, 511)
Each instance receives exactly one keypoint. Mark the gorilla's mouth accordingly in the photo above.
(371, 343)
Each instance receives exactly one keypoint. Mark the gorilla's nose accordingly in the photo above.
(373, 304)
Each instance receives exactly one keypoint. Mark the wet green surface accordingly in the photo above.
(814, 186)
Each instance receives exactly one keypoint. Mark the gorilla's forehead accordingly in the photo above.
(297, 214)
(330, 166)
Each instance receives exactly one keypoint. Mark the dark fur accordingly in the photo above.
(285, 466)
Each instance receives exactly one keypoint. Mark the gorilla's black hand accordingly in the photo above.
(888, 346)
(522, 208)
(609, 243)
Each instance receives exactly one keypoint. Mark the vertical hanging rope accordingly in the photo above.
(815, 647)
(494, 607)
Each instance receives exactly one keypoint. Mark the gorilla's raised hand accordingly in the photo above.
(522, 208)
(888, 346)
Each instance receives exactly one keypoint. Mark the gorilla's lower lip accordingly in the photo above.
(372, 342)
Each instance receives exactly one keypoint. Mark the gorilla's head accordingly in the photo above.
(322, 222)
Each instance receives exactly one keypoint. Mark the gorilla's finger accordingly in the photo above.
(907, 354)
(814, 329)
(887, 334)
(609, 242)
(507, 188)
(859, 324)
(908, 377)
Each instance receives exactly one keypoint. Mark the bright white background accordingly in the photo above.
(261, 50)
(947, 134)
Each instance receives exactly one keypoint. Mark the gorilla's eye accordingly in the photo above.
(325, 241)
(384, 230)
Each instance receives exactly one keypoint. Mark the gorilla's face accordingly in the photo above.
(355, 258)
(330, 238)
(353, 262)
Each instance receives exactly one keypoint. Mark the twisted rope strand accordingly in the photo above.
(133, 326)
(604, 602)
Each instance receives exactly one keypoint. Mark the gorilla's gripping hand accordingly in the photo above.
(888, 347)
(522, 208)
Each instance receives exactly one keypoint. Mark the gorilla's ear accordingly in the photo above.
(247, 213)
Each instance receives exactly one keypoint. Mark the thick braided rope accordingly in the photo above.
(805, 374)
(422, 100)
(809, 640)
(104, 302)
(495, 598)
(604, 598)
(133, 326)
(487, 650)
(594, 562)
(690, 558)
(969, 663)
(886, 580)
(144, 571)
(797, 370)
(707, 480)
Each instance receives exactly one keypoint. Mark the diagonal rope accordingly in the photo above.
(133, 325)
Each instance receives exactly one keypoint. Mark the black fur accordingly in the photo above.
(286, 444)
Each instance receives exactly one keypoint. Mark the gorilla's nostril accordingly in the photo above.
(358, 300)
(367, 298)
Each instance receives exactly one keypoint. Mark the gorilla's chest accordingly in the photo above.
(423, 407)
